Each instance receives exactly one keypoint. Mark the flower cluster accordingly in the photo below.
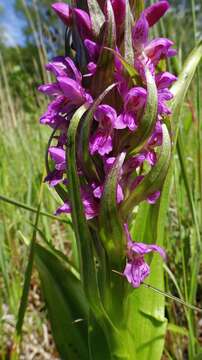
(118, 117)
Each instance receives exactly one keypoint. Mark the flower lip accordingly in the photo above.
(136, 269)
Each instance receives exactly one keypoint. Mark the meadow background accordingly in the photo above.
(30, 35)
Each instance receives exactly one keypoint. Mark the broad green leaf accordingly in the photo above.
(153, 181)
(82, 232)
(96, 15)
(66, 303)
(111, 229)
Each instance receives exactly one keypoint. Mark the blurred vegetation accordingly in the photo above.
(23, 143)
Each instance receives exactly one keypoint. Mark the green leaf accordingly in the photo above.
(66, 303)
(82, 232)
(96, 15)
(111, 229)
(181, 86)
(153, 181)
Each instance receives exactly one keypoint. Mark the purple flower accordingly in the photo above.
(164, 80)
(58, 156)
(134, 100)
(136, 269)
(52, 89)
(72, 90)
(64, 209)
(126, 120)
(159, 49)
(54, 178)
(93, 49)
(156, 137)
(101, 140)
(91, 206)
(98, 192)
(64, 66)
(153, 197)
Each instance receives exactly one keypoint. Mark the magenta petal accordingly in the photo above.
(156, 138)
(64, 209)
(154, 12)
(83, 23)
(153, 197)
(50, 89)
(126, 119)
(62, 66)
(100, 142)
(151, 157)
(135, 99)
(92, 67)
(136, 271)
(98, 191)
(158, 49)
(55, 177)
(140, 33)
(90, 204)
(72, 90)
(58, 155)
(106, 115)
(93, 49)
(63, 11)
(119, 194)
(164, 80)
